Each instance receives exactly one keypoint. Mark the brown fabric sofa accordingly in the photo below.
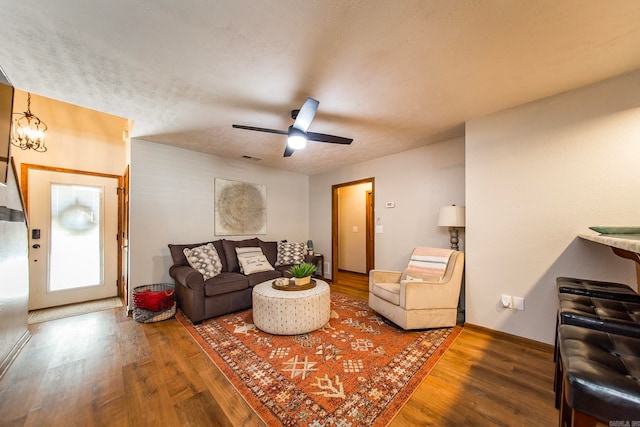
(226, 292)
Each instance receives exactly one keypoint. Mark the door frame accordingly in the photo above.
(123, 232)
(369, 223)
(24, 181)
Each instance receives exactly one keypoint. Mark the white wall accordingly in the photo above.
(419, 181)
(536, 176)
(77, 138)
(172, 201)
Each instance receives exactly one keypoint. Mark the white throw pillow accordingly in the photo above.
(247, 252)
(205, 259)
(254, 264)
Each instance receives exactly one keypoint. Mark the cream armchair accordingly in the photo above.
(425, 295)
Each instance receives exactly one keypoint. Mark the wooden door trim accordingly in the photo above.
(24, 177)
(369, 232)
(123, 231)
(334, 223)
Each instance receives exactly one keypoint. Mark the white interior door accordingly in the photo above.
(73, 238)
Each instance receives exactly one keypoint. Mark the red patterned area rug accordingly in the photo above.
(355, 371)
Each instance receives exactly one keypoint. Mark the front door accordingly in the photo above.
(73, 252)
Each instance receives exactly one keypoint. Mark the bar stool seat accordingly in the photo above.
(616, 317)
(601, 376)
(596, 289)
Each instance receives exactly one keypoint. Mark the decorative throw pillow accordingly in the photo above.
(290, 253)
(205, 259)
(254, 264)
(229, 249)
(245, 253)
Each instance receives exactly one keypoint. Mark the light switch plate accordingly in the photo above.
(518, 303)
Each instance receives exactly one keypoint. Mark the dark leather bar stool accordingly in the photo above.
(605, 315)
(618, 317)
(601, 377)
(596, 289)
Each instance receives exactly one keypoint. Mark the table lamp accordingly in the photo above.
(452, 217)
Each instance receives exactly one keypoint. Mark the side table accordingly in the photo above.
(315, 259)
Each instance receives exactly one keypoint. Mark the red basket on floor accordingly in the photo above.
(154, 300)
(152, 303)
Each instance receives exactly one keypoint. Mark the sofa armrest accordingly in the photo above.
(420, 295)
(383, 276)
(187, 276)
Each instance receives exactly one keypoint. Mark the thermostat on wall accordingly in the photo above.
(390, 205)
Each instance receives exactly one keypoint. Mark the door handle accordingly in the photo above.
(36, 246)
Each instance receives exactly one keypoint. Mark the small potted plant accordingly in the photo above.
(302, 273)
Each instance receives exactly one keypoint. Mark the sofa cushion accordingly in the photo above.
(230, 252)
(224, 283)
(270, 250)
(290, 253)
(387, 291)
(205, 259)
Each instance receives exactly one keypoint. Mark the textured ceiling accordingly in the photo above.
(392, 75)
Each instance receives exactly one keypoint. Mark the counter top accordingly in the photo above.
(627, 242)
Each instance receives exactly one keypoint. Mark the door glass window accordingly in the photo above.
(76, 233)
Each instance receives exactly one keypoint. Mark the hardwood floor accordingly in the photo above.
(104, 369)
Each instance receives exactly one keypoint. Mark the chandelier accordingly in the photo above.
(28, 130)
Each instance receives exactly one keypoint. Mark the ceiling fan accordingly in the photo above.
(297, 135)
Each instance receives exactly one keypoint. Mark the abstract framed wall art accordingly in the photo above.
(240, 208)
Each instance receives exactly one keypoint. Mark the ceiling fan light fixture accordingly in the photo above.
(296, 139)
(297, 135)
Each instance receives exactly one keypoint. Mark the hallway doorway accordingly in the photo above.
(352, 239)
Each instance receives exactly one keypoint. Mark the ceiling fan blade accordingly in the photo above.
(279, 132)
(321, 137)
(288, 151)
(306, 114)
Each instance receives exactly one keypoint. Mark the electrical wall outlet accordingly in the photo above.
(506, 301)
(518, 303)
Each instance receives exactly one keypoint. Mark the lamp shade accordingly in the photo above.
(451, 216)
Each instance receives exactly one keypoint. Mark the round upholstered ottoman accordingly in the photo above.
(291, 312)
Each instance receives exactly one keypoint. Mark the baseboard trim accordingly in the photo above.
(510, 337)
(4, 366)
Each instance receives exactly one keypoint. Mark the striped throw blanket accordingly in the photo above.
(431, 261)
